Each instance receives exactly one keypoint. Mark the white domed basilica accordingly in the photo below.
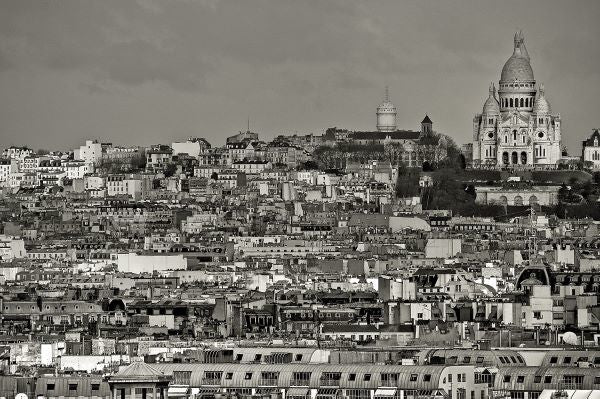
(516, 127)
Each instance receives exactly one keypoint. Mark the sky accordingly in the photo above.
(156, 71)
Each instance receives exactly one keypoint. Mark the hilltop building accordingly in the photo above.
(517, 127)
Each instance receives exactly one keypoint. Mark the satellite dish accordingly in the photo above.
(570, 338)
(21, 396)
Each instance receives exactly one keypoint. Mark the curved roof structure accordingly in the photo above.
(351, 376)
(540, 378)
(470, 356)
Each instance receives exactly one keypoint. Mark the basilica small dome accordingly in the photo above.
(541, 106)
(491, 105)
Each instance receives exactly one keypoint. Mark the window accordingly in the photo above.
(300, 378)
(520, 379)
(367, 377)
(537, 379)
(506, 378)
(597, 380)
(427, 378)
(298, 357)
(229, 376)
(248, 376)
(329, 378)
(352, 377)
(50, 386)
(479, 359)
(212, 377)
(567, 360)
(553, 360)
(269, 378)
(548, 379)
(537, 315)
(72, 387)
(414, 377)
(467, 359)
(95, 386)
(182, 377)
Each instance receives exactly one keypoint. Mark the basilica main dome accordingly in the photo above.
(517, 67)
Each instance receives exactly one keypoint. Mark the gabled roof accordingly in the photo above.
(426, 119)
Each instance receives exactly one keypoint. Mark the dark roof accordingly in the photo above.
(426, 119)
(590, 142)
(334, 328)
(395, 135)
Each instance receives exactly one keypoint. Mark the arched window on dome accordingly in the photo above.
(521, 103)
(511, 102)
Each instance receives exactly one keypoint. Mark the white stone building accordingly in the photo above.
(591, 150)
(517, 127)
(91, 152)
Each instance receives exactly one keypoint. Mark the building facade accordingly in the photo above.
(591, 150)
(517, 127)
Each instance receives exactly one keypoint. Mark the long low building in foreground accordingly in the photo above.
(355, 381)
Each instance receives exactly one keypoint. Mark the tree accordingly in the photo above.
(170, 170)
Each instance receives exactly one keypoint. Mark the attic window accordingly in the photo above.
(248, 376)
(50, 387)
(567, 360)
(479, 359)
(553, 360)
(72, 387)
(548, 379)
(427, 378)
(95, 387)
(414, 377)
(520, 379)
(299, 357)
(537, 379)
(352, 377)
(367, 377)
(506, 378)
(229, 376)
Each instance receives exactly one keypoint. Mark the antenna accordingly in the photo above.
(387, 94)
(248, 123)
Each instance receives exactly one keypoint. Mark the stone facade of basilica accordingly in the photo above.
(517, 128)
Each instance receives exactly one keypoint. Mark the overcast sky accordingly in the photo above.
(143, 72)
